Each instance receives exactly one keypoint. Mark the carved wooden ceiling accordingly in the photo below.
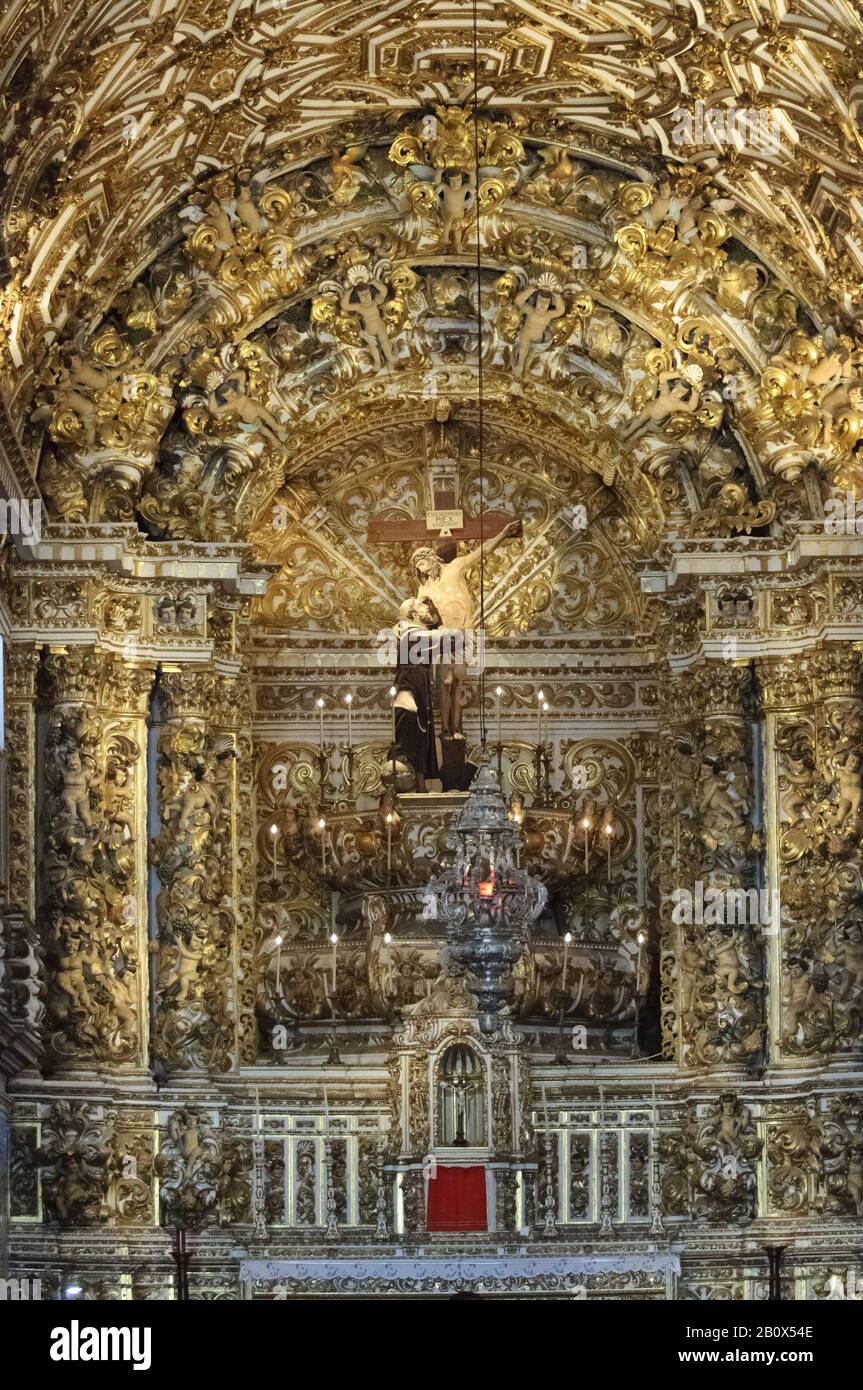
(205, 205)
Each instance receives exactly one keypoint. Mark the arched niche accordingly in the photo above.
(461, 1098)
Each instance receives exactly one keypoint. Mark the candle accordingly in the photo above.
(609, 835)
(387, 963)
(334, 941)
(498, 692)
(540, 697)
(545, 709)
(274, 831)
(320, 704)
(566, 940)
(389, 841)
(278, 961)
(393, 693)
(517, 818)
(349, 700)
(322, 826)
(640, 938)
(585, 824)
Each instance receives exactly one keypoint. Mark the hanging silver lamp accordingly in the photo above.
(487, 902)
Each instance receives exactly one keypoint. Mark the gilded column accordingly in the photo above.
(711, 904)
(91, 867)
(813, 739)
(233, 721)
(125, 704)
(195, 907)
(22, 665)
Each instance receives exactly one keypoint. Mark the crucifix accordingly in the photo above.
(444, 523)
(440, 572)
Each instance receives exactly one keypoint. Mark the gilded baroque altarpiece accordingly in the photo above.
(266, 292)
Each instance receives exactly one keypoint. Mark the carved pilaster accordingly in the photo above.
(711, 952)
(91, 836)
(813, 754)
(22, 664)
(195, 968)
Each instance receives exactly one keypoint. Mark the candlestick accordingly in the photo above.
(540, 697)
(334, 941)
(278, 961)
(326, 1111)
(322, 826)
(389, 842)
(498, 692)
(585, 825)
(545, 709)
(609, 834)
(640, 938)
(274, 831)
(320, 704)
(393, 693)
(349, 700)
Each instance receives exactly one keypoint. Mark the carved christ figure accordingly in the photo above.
(443, 581)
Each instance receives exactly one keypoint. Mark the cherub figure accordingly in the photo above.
(190, 950)
(216, 214)
(720, 810)
(75, 796)
(683, 397)
(798, 994)
(850, 957)
(69, 975)
(365, 299)
(456, 192)
(76, 383)
(539, 305)
(198, 805)
(847, 772)
(246, 207)
(230, 399)
(727, 965)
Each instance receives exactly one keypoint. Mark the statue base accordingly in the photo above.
(457, 771)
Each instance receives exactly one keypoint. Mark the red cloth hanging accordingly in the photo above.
(456, 1199)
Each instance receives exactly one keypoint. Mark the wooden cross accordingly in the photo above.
(444, 523)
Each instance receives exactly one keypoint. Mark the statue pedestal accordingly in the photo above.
(457, 771)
